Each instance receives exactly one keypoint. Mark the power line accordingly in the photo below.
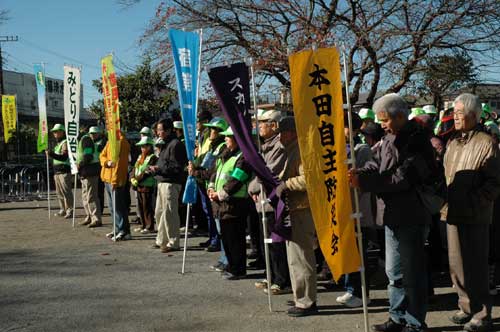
(40, 48)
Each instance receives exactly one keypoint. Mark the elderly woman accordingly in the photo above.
(402, 165)
(143, 182)
(471, 167)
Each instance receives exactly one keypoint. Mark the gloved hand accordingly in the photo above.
(281, 189)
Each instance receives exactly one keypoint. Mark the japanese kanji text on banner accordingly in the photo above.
(9, 116)
(319, 118)
(43, 130)
(111, 105)
(72, 112)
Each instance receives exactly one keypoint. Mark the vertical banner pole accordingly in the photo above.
(114, 214)
(48, 184)
(74, 202)
(186, 237)
(356, 196)
(262, 202)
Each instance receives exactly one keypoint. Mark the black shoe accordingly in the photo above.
(219, 267)
(300, 312)
(389, 326)
(478, 326)
(253, 255)
(205, 244)
(257, 265)
(229, 276)
(460, 318)
(212, 248)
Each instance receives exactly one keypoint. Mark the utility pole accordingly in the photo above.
(4, 39)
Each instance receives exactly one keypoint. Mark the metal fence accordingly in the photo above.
(22, 182)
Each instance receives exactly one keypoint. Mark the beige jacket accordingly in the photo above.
(472, 170)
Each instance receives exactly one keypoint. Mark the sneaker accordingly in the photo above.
(389, 326)
(110, 235)
(219, 267)
(122, 237)
(261, 284)
(68, 215)
(355, 302)
(138, 229)
(146, 231)
(60, 213)
(460, 318)
(344, 298)
(277, 290)
(301, 312)
(475, 325)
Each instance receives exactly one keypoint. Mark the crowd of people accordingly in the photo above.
(428, 182)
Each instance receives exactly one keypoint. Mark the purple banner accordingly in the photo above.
(232, 87)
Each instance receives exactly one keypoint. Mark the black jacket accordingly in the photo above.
(171, 162)
(402, 163)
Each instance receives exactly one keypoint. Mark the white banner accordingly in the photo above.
(72, 112)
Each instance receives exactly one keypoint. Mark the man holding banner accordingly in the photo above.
(62, 172)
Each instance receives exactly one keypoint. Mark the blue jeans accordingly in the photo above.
(406, 269)
(352, 281)
(222, 257)
(213, 231)
(121, 220)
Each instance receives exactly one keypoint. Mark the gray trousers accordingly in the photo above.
(90, 197)
(301, 258)
(468, 247)
(64, 191)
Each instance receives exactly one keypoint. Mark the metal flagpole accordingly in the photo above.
(357, 215)
(74, 202)
(189, 205)
(262, 202)
(186, 237)
(114, 214)
(48, 184)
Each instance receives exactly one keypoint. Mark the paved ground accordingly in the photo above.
(57, 278)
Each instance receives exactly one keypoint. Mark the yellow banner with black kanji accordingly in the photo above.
(319, 118)
(111, 105)
(9, 116)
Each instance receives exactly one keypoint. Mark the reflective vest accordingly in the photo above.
(83, 151)
(58, 151)
(227, 171)
(148, 180)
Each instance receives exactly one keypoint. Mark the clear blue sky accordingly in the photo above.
(59, 32)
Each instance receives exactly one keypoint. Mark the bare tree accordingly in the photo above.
(386, 42)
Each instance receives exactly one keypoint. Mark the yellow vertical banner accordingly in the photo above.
(9, 116)
(319, 118)
(111, 105)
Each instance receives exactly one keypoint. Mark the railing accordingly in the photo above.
(22, 183)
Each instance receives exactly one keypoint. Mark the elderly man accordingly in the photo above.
(472, 175)
(274, 155)
(300, 248)
(401, 165)
(62, 172)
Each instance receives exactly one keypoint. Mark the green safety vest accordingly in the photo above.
(58, 150)
(227, 171)
(83, 151)
(148, 181)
